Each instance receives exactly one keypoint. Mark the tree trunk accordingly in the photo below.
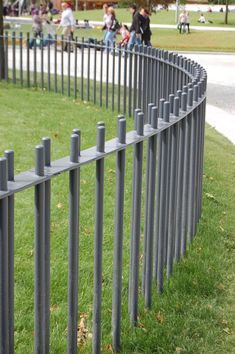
(226, 12)
(2, 56)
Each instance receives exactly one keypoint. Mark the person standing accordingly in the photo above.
(135, 31)
(182, 21)
(105, 9)
(146, 31)
(187, 21)
(111, 27)
(66, 23)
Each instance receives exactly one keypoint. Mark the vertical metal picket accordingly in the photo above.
(46, 142)
(138, 157)
(118, 237)
(39, 303)
(9, 155)
(21, 59)
(150, 189)
(74, 190)
(98, 242)
(4, 281)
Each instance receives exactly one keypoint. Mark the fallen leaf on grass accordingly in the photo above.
(59, 205)
(160, 318)
(109, 348)
(227, 330)
(211, 197)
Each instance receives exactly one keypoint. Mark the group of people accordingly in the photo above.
(139, 33)
(43, 19)
(184, 22)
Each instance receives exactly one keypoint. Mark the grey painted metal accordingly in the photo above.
(173, 190)
(88, 71)
(119, 79)
(39, 300)
(172, 203)
(48, 66)
(98, 243)
(42, 62)
(118, 238)
(101, 78)
(137, 111)
(21, 59)
(75, 68)
(55, 65)
(130, 86)
(150, 209)
(147, 191)
(94, 72)
(74, 188)
(14, 57)
(46, 142)
(82, 71)
(113, 80)
(9, 155)
(4, 281)
(138, 157)
(162, 203)
(69, 67)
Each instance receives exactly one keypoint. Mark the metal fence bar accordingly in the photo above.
(150, 209)
(42, 63)
(118, 238)
(88, 71)
(138, 157)
(74, 190)
(173, 189)
(98, 243)
(21, 59)
(6, 56)
(4, 281)
(9, 155)
(162, 204)
(46, 142)
(55, 64)
(39, 304)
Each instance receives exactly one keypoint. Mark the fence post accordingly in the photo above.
(136, 211)
(118, 237)
(9, 155)
(98, 241)
(4, 276)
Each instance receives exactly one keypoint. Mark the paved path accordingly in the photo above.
(220, 92)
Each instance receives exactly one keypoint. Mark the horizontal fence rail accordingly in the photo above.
(165, 93)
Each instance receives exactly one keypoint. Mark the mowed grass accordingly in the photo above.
(162, 17)
(195, 314)
(212, 41)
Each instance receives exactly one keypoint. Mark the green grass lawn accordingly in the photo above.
(195, 314)
(161, 17)
(213, 41)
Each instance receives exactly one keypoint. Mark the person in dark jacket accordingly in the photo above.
(146, 31)
(135, 29)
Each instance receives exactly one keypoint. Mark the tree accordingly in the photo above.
(2, 56)
(226, 12)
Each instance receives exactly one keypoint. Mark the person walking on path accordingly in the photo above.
(135, 32)
(105, 17)
(187, 21)
(182, 21)
(145, 27)
(66, 23)
(110, 27)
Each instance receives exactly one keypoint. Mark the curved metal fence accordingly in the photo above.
(165, 93)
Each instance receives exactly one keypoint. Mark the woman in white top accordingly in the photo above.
(66, 23)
